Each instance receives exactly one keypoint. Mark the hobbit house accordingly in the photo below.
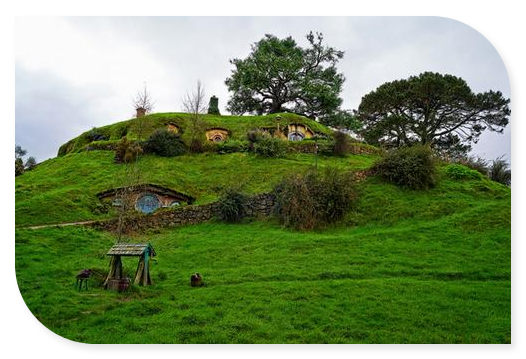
(146, 198)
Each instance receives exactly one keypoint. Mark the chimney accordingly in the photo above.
(140, 112)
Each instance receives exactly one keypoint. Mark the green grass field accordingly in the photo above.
(404, 267)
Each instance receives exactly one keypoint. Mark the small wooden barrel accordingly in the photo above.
(119, 285)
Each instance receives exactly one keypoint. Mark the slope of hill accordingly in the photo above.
(402, 267)
(64, 189)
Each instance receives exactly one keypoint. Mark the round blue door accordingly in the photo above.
(147, 203)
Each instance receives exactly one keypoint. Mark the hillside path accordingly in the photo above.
(57, 225)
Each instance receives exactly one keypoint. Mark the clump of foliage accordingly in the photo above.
(196, 146)
(232, 206)
(253, 136)
(476, 163)
(342, 143)
(213, 106)
(165, 143)
(312, 200)
(500, 172)
(460, 172)
(20, 167)
(231, 146)
(432, 109)
(262, 143)
(96, 135)
(412, 167)
(270, 147)
(127, 151)
(281, 76)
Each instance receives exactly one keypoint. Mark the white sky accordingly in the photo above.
(76, 73)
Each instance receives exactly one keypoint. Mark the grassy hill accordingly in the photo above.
(143, 127)
(64, 189)
(403, 267)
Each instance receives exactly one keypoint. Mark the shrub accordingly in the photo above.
(232, 206)
(311, 200)
(270, 147)
(342, 144)
(213, 106)
(499, 172)
(196, 146)
(475, 163)
(231, 146)
(461, 172)
(127, 151)
(110, 145)
(413, 167)
(19, 167)
(96, 135)
(31, 163)
(165, 143)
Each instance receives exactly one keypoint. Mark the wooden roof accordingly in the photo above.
(149, 188)
(130, 249)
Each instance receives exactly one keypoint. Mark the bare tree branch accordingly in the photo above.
(143, 100)
(195, 102)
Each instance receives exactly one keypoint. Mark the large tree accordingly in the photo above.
(431, 108)
(279, 75)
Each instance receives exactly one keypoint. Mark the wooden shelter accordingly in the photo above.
(142, 250)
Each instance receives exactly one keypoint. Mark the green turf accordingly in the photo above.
(404, 267)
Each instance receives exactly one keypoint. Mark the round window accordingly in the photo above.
(147, 203)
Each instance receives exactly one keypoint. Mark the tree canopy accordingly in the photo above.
(281, 76)
(431, 108)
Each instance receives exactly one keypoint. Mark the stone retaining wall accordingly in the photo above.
(260, 205)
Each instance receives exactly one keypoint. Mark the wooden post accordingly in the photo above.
(142, 276)
(115, 269)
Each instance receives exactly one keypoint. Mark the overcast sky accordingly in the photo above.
(73, 74)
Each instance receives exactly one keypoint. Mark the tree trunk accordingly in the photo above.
(276, 107)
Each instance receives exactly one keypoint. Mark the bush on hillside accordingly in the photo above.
(232, 206)
(500, 172)
(342, 143)
(164, 143)
(254, 136)
(461, 172)
(127, 151)
(270, 147)
(412, 167)
(475, 163)
(231, 146)
(196, 146)
(312, 200)
(96, 135)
